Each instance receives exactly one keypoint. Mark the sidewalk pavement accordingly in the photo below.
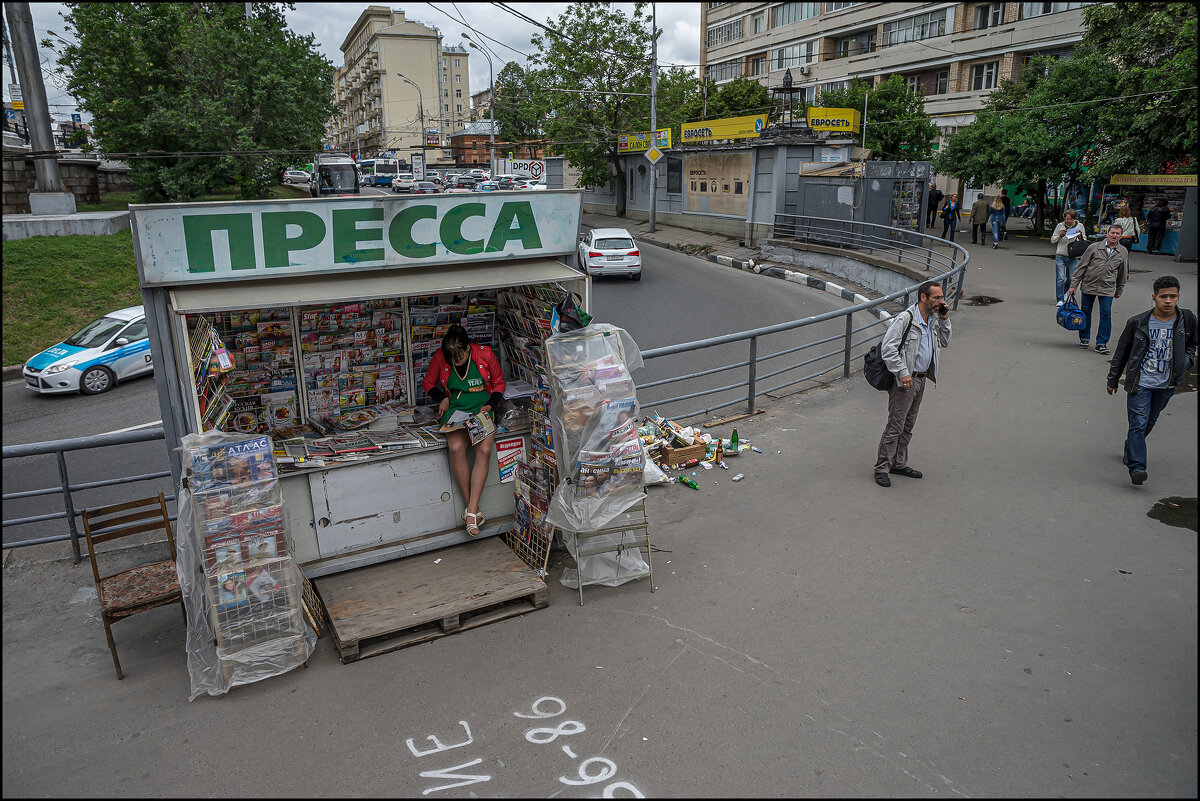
(1015, 623)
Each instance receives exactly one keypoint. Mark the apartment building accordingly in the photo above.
(481, 103)
(955, 53)
(380, 110)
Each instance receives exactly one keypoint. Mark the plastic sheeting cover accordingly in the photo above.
(594, 413)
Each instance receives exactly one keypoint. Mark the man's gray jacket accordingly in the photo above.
(901, 361)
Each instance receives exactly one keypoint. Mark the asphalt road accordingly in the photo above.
(680, 298)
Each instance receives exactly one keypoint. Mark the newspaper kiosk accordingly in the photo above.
(261, 312)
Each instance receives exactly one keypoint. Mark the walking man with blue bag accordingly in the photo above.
(1101, 275)
(1156, 350)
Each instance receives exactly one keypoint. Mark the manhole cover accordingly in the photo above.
(1175, 511)
(982, 300)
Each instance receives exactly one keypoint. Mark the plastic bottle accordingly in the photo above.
(738, 477)
(687, 481)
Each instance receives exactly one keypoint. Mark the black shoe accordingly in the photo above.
(1083, 343)
(1102, 349)
(1138, 477)
(907, 471)
(882, 480)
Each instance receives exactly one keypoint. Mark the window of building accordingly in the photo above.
(445, 93)
(458, 79)
(458, 92)
(787, 13)
(724, 70)
(913, 82)
(447, 107)
(674, 175)
(983, 76)
(725, 32)
(853, 45)
(457, 63)
(943, 82)
(832, 7)
(758, 66)
(758, 23)
(988, 15)
(915, 28)
(1054, 55)
(833, 86)
(459, 108)
(799, 53)
(1040, 9)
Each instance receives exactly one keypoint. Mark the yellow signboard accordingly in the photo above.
(834, 119)
(728, 128)
(18, 105)
(641, 142)
(1153, 180)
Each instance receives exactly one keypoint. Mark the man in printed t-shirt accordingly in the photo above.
(1156, 350)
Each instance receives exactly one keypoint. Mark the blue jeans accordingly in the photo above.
(997, 226)
(1144, 407)
(949, 226)
(1104, 328)
(1063, 266)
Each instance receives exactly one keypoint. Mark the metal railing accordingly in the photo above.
(905, 246)
(60, 447)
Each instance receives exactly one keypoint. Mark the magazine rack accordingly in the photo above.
(629, 530)
(237, 566)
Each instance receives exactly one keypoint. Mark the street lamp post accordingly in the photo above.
(420, 120)
(491, 109)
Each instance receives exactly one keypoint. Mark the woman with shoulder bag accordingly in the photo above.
(950, 215)
(1071, 238)
(1131, 233)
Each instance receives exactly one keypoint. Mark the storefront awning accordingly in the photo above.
(347, 287)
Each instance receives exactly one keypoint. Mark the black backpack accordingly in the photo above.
(875, 368)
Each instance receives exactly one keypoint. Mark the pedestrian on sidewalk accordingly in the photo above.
(1101, 275)
(1156, 350)
(910, 350)
(996, 217)
(950, 216)
(1130, 231)
(1156, 225)
(1069, 231)
(1007, 201)
(935, 198)
(979, 215)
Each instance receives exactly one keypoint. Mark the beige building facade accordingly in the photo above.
(955, 53)
(380, 110)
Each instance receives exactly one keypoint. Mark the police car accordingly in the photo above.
(111, 349)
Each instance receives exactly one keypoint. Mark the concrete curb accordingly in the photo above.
(11, 372)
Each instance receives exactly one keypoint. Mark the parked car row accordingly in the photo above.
(468, 182)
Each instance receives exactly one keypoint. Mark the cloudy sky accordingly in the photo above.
(330, 22)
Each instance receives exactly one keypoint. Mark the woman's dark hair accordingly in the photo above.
(455, 342)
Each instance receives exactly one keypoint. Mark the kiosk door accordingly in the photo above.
(383, 502)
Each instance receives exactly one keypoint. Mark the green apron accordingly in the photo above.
(467, 394)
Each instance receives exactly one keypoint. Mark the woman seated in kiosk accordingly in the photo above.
(466, 377)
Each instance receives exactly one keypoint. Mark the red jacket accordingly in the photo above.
(489, 367)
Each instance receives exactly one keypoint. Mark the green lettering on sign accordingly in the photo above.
(520, 214)
(400, 232)
(277, 245)
(347, 235)
(452, 236)
(197, 239)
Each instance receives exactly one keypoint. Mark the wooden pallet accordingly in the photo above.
(381, 608)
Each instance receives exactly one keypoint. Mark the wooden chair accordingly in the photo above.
(139, 588)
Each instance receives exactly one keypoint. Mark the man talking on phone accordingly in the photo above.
(924, 328)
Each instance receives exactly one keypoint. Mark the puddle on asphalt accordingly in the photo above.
(982, 300)
(1176, 511)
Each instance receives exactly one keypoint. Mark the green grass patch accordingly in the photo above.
(55, 285)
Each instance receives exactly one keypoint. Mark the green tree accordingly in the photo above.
(591, 64)
(736, 98)
(897, 126)
(516, 108)
(203, 93)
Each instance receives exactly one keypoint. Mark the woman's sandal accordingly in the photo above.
(474, 520)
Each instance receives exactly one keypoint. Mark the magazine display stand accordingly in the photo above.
(241, 586)
(594, 414)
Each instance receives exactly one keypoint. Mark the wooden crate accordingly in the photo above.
(673, 455)
(381, 608)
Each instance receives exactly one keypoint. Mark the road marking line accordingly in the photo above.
(133, 428)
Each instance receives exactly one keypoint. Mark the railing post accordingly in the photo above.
(753, 372)
(67, 505)
(849, 333)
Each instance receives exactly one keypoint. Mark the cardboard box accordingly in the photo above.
(673, 455)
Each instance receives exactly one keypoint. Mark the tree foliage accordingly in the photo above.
(516, 108)
(897, 127)
(736, 98)
(168, 79)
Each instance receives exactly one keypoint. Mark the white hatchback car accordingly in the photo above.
(403, 182)
(610, 251)
(296, 177)
(95, 358)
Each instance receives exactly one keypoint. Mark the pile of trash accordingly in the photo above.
(670, 446)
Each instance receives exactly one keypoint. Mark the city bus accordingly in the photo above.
(333, 174)
(378, 172)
